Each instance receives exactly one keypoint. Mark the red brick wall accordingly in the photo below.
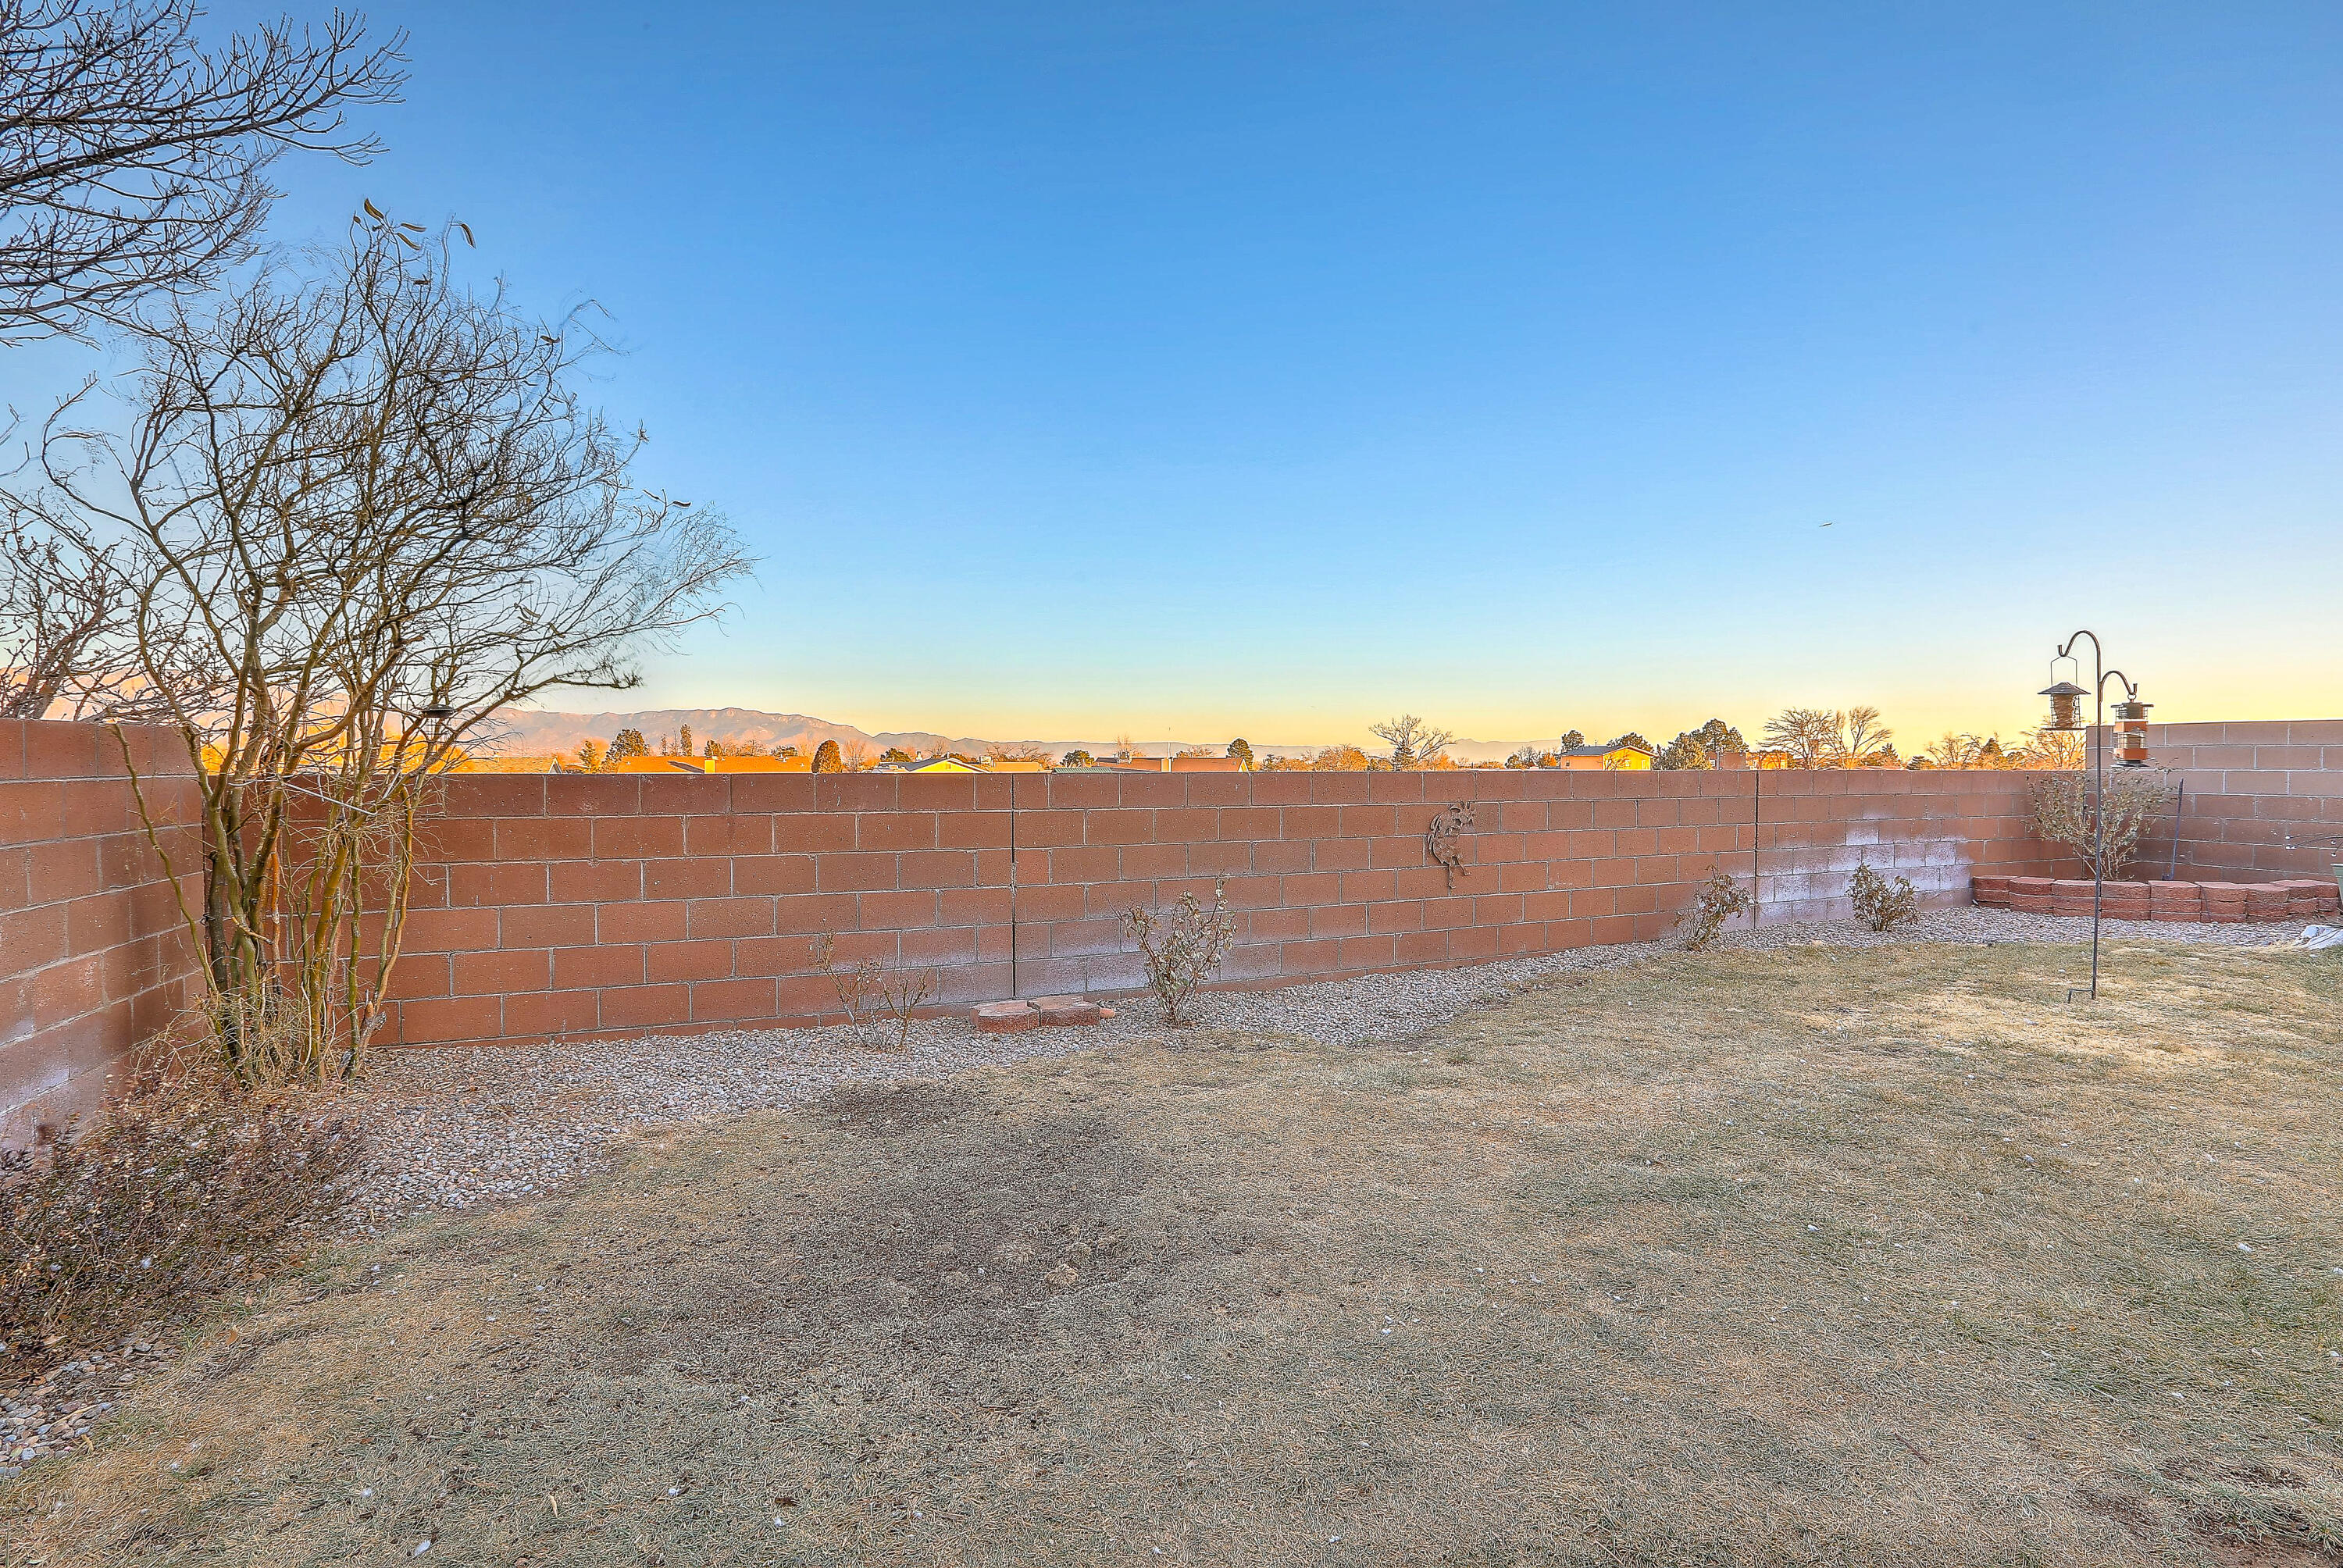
(584, 905)
(2258, 796)
(93, 957)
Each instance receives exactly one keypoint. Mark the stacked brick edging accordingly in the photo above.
(94, 961)
(2303, 899)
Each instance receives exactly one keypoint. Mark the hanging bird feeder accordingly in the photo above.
(2065, 706)
(2131, 732)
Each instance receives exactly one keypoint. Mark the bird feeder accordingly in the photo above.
(2065, 706)
(2131, 732)
(438, 710)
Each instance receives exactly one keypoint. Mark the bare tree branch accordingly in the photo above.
(133, 162)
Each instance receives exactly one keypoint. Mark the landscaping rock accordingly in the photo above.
(1060, 1011)
(1004, 1017)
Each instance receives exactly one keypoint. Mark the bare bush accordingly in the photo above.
(857, 984)
(1719, 899)
(1882, 903)
(1182, 948)
(902, 992)
(2066, 810)
(174, 1194)
(133, 162)
(872, 989)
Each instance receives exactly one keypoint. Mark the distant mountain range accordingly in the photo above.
(525, 733)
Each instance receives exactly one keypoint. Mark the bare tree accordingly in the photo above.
(1864, 739)
(372, 512)
(1413, 741)
(1830, 737)
(1808, 737)
(2059, 750)
(1954, 749)
(132, 161)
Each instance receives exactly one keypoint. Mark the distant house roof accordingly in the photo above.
(506, 764)
(754, 764)
(1616, 746)
(1206, 764)
(647, 765)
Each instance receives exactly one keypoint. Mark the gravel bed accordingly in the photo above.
(458, 1127)
(54, 1410)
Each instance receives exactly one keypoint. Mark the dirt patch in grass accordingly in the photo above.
(1817, 1256)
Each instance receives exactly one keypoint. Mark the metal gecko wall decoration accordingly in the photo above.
(1443, 840)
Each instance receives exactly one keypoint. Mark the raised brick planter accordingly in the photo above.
(2306, 899)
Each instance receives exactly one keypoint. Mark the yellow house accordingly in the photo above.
(1627, 757)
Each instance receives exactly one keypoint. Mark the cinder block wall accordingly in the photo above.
(587, 905)
(94, 959)
(619, 905)
(2257, 797)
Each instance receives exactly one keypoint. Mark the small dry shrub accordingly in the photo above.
(902, 994)
(1182, 946)
(871, 988)
(182, 1190)
(2065, 810)
(1719, 899)
(857, 984)
(1882, 903)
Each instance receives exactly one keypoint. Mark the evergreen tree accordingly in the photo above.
(628, 743)
(1078, 758)
(826, 759)
(1241, 750)
(1701, 747)
(683, 741)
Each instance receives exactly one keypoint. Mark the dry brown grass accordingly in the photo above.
(1821, 1256)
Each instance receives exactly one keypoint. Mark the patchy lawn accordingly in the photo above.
(1749, 1257)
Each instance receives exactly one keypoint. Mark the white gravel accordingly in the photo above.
(458, 1127)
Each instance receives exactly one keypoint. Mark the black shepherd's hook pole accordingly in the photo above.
(2098, 762)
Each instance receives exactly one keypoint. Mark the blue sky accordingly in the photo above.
(1202, 370)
